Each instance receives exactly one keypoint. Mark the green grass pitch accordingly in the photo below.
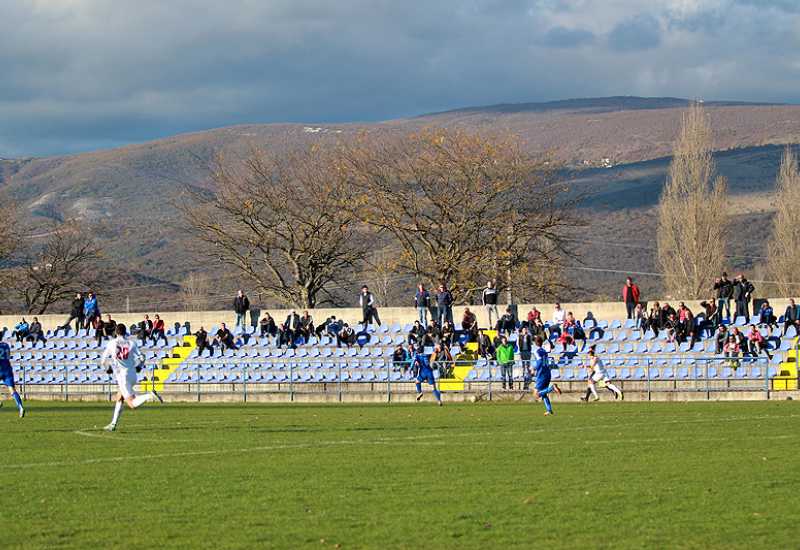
(486, 475)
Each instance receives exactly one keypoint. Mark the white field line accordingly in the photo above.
(442, 439)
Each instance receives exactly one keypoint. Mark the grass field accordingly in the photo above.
(666, 475)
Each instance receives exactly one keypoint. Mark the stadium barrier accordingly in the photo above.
(651, 377)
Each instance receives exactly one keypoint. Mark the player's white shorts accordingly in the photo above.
(600, 377)
(126, 380)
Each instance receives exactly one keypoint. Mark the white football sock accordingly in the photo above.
(142, 399)
(614, 388)
(117, 412)
(593, 390)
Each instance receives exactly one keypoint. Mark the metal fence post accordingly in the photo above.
(66, 383)
(708, 388)
(244, 381)
(491, 375)
(339, 379)
(291, 380)
(24, 383)
(388, 382)
(197, 381)
(647, 376)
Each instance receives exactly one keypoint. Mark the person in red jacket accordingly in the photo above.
(158, 331)
(630, 295)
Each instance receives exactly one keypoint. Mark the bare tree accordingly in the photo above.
(274, 219)
(194, 292)
(47, 272)
(784, 245)
(462, 207)
(693, 212)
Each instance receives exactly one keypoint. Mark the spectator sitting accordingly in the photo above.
(290, 330)
(469, 324)
(322, 328)
(201, 342)
(674, 329)
(757, 342)
(267, 326)
(708, 322)
(654, 318)
(731, 347)
(791, 317)
(533, 315)
(447, 334)
(721, 338)
(35, 332)
(158, 332)
(640, 317)
(741, 339)
(224, 339)
(575, 329)
(145, 329)
(486, 348)
(506, 324)
(766, 316)
(538, 329)
(400, 359)
(107, 329)
(306, 325)
(442, 359)
(99, 331)
(21, 330)
(416, 334)
(346, 336)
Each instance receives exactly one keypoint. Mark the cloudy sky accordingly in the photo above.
(77, 75)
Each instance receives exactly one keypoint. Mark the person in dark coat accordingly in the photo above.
(241, 305)
(444, 301)
(75, 313)
(368, 308)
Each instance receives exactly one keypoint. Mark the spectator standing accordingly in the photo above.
(422, 301)
(241, 305)
(505, 358)
(444, 301)
(368, 308)
(630, 295)
(489, 299)
(791, 317)
(91, 310)
(724, 288)
(76, 313)
(742, 294)
(201, 342)
(525, 345)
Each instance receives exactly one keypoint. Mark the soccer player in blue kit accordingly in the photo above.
(425, 374)
(543, 385)
(7, 376)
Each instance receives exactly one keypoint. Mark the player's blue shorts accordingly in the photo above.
(426, 375)
(7, 377)
(542, 382)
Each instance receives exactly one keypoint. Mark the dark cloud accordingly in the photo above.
(642, 32)
(562, 37)
(81, 74)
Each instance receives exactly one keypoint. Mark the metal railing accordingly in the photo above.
(335, 378)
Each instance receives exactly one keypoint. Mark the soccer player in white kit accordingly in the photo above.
(599, 374)
(125, 358)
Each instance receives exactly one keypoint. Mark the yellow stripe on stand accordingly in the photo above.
(179, 354)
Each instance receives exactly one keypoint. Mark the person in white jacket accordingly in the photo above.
(123, 359)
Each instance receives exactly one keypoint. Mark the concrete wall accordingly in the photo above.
(600, 310)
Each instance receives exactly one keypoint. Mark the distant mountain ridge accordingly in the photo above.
(597, 105)
(132, 189)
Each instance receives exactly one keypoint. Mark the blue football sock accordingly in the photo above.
(545, 391)
(419, 387)
(17, 400)
(547, 404)
(437, 394)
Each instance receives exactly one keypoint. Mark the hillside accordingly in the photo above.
(132, 188)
